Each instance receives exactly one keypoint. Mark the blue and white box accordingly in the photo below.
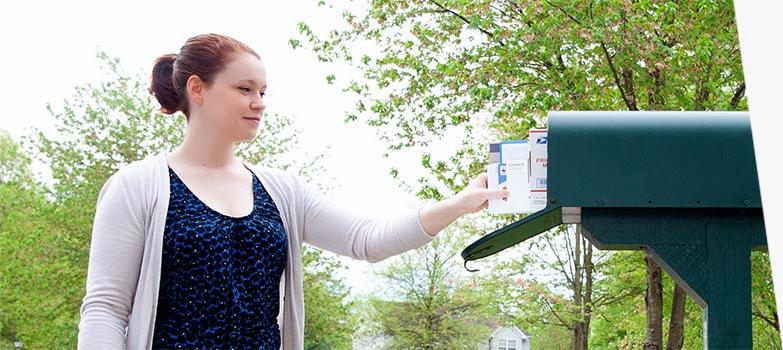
(511, 170)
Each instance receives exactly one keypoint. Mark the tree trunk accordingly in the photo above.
(582, 288)
(587, 305)
(576, 287)
(654, 303)
(580, 336)
(676, 321)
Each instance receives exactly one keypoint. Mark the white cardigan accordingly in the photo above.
(123, 276)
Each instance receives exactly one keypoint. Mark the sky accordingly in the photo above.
(50, 48)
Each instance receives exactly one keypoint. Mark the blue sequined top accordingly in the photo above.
(220, 274)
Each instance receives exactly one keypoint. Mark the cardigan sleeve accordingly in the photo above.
(116, 251)
(334, 227)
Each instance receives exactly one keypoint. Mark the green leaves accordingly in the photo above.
(426, 302)
(14, 162)
(330, 322)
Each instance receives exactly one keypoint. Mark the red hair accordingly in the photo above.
(204, 56)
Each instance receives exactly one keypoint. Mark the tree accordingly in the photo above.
(766, 324)
(621, 325)
(14, 164)
(426, 304)
(46, 234)
(329, 320)
(442, 67)
(563, 284)
(21, 202)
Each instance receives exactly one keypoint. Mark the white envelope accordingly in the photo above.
(516, 181)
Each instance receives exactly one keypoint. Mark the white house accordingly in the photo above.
(503, 338)
(509, 338)
(371, 342)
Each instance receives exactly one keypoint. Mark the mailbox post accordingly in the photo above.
(681, 184)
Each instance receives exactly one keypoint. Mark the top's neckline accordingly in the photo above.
(253, 188)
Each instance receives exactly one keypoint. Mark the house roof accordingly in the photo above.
(514, 329)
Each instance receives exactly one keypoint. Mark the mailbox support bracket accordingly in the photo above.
(707, 251)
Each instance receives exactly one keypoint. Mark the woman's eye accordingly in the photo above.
(263, 94)
(245, 89)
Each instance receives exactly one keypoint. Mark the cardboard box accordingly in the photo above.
(538, 165)
(520, 166)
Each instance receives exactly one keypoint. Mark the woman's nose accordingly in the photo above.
(257, 105)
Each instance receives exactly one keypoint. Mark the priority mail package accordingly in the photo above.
(520, 166)
(538, 161)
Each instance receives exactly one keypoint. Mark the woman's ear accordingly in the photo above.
(195, 88)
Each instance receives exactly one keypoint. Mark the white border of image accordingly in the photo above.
(760, 31)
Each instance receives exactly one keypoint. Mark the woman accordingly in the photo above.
(198, 249)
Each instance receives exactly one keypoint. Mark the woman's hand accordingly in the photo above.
(473, 198)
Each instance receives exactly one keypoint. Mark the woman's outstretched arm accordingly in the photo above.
(330, 226)
(474, 197)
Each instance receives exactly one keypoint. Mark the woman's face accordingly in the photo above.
(234, 102)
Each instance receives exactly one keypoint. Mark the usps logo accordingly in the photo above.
(541, 141)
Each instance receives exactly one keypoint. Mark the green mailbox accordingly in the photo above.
(681, 184)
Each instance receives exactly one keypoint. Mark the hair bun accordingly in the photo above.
(162, 84)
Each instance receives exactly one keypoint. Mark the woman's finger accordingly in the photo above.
(497, 193)
(482, 179)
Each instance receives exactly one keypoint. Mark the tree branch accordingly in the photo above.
(500, 10)
(570, 255)
(557, 316)
(566, 13)
(616, 76)
(739, 92)
(518, 8)
(767, 319)
(467, 21)
(568, 278)
(656, 101)
(605, 300)
(702, 93)
(629, 89)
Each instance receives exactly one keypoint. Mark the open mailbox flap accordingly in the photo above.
(515, 233)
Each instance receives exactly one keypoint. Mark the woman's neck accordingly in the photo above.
(205, 150)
